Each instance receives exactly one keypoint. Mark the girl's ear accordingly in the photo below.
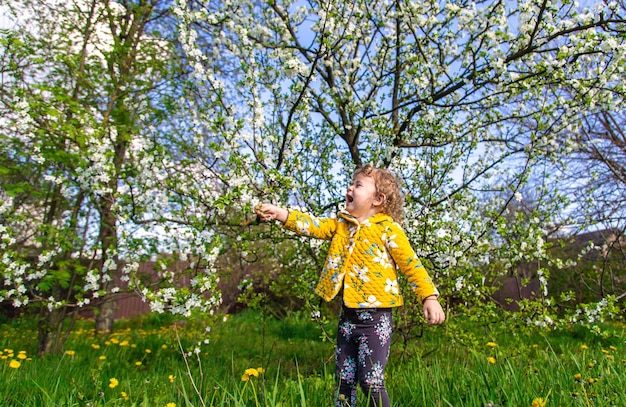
(380, 200)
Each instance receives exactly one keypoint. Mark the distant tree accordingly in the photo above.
(597, 168)
(596, 175)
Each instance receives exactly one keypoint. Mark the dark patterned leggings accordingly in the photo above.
(363, 342)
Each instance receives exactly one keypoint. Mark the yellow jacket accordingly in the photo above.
(362, 259)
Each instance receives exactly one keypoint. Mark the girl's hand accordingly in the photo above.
(432, 311)
(269, 212)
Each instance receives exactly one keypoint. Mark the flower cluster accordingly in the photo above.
(14, 361)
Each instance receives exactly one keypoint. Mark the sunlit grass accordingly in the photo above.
(254, 360)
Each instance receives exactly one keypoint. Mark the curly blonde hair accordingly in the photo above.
(387, 185)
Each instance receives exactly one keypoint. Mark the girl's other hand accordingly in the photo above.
(433, 312)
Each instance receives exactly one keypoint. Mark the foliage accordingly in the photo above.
(93, 182)
(134, 130)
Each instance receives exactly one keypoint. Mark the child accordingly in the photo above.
(367, 244)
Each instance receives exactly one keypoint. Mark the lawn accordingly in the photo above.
(252, 359)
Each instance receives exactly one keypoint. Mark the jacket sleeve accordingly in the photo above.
(399, 247)
(307, 225)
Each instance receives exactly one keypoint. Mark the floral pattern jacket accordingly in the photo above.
(363, 258)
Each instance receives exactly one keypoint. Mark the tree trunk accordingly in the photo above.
(108, 239)
(52, 331)
(106, 315)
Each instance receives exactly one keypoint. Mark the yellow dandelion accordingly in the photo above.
(102, 357)
(578, 377)
(124, 395)
(609, 357)
(535, 346)
(138, 363)
(22, 355)
(613, 348)
(170, 405)
(491, 360)
(124, 343)
(14, 364)
(591, 365)
(115, 341)
(95, 346)
(606, 352)
(70, 352)
(252, 372)
(591, 380)
(148, 351)
(260, 370)
(538, 402)
(113, 382)
(163, 346)
(491, 344)
(249, 373)
(171, 378)
(584, 347)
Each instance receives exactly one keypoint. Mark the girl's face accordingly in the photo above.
(362, 201)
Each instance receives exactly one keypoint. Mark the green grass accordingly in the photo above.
(448, 366)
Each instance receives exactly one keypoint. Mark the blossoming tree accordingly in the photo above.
(120, 141)
(466, 101)
(93, 131)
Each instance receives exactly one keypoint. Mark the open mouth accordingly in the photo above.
(349, 198)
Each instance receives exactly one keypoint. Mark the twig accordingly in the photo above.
(193, 383)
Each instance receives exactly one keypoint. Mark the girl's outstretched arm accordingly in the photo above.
(270, 212)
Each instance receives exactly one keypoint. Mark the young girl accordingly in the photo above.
(367, 245)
